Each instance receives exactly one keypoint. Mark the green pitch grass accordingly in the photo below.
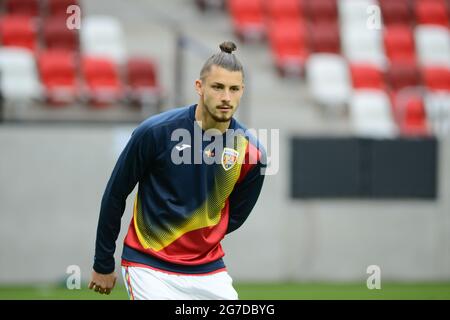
(287, 291)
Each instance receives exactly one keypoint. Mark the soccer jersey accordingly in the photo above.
(191, 193)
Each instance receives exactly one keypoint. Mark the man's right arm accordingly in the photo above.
(132, 165)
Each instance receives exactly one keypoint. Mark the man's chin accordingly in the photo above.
(222, 118)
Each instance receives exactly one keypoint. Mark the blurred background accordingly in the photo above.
(360, 93)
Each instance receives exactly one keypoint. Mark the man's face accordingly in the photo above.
(220, 91)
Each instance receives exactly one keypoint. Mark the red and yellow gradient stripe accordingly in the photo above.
(207, 215)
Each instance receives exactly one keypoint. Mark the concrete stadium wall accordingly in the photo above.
(52, 180)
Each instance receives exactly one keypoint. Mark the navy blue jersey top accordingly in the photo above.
(191, 193)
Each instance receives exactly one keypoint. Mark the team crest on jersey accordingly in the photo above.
(229, 158)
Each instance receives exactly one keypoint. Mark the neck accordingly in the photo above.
(206, 122)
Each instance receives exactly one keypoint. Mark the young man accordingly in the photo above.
(183, 209)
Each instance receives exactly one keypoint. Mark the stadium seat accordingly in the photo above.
(57, 36)
(283, 10)
(403, 75)
(361, 45)
(322, 10)
(328, 79)
(432, 45)
(366, 76)
(19, 79)
(431, 12)
(248, 18)
(399, 44)
(436, 78)
(59, 7)
(142, 81)
(325, 37)
(18, 31)
(410, 114)
(289, 46)
(22, 7)
(58, 75)
(103, 36)
(371, 114)
(397, 12)
(101, 81)
(437, 106)
(353, 13)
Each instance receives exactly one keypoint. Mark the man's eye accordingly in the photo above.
(235, 89)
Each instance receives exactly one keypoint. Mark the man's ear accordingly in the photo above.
(199, 87)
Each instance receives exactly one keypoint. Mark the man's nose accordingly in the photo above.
(226, 95)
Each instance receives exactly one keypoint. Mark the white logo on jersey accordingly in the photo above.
(182, 147)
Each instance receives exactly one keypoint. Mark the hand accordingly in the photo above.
(103, 283)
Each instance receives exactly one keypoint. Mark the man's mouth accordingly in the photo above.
(224, 107)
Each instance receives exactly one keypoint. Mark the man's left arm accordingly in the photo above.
(244, 197)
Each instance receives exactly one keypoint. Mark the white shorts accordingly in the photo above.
(149, 284)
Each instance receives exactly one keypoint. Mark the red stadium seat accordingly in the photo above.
(18, 31)
(289, 46)
(399, 44)
(322, 10)
(431, 12)
(325, 37)
(59, 7)
(57, 35)
(102, 83)
(248, 18)
(395, 12)
(58, 74)
(410, 115)
(22, 7)
(402, 75)
(142, 81)
(283, 9)
(436, 78)
(366, 76)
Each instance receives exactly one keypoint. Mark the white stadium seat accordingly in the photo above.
(362, 45)
(432, 45)
(19, 79)
(437, 106)
(354, 13)
(103, 36)
(371, 114)
(328, 79)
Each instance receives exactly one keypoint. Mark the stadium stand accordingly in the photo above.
(370, 114)
(406, 56)
(23, 7)
(328, 79)
(19, 79)
(142, 85)
(56, 35)
(103, 36)
(431, 12)
(58, 74)
(247, 19)
(289, 45)
(61, 66)
(102, 85)
(19, 31)
(58, 8)
(396, 12)
(432, 45)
